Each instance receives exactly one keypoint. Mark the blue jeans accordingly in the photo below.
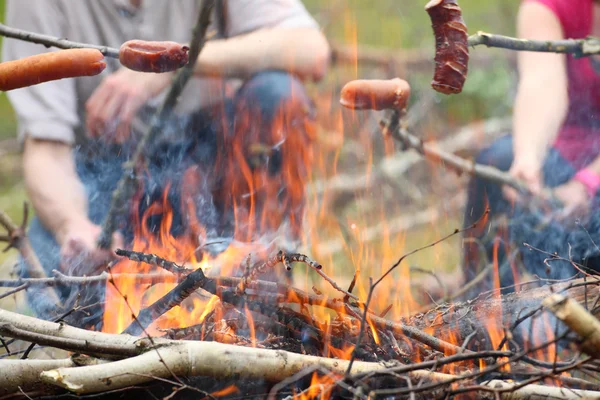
(483, 194)
(195, 143)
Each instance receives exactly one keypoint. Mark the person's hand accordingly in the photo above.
(529, 172)
(79, 253)
(113, 105)
(575, 199)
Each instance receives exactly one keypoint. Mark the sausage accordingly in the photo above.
(49, 67)
(451, 48)
(375, 94)
(143, 56)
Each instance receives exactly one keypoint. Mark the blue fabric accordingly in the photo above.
(190, 141)
(526, 225)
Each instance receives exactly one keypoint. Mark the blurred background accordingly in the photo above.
(368, 200)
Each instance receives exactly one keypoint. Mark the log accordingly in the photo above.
(17, 375)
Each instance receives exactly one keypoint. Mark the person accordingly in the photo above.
(555, 144)
(77, 133)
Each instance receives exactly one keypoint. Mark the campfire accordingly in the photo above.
(266, 311)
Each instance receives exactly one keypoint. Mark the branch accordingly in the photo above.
(128, 184)
(194, 358)
(52, 41)
(452, 161)
(61, 279)
(577, 47)
(17, 239)
(183, 358)
(578, 319)
(17, 374)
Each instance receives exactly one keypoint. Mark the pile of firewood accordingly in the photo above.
(546, 345)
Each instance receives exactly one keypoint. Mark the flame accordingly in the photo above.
(251, 326)
(320, 387)
(225, 392)
(337, 156)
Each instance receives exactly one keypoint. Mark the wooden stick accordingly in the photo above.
(129, 182)
(17, 374)
(194, 358)
(457, 163)
(52, 41)
(577, 47)
(578, 319)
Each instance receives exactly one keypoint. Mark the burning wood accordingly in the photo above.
(257, 324)
(193, 323)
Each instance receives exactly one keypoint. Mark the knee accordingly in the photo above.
(273, 90)
(499, 154)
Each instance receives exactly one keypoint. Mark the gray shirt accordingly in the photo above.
(55, 110)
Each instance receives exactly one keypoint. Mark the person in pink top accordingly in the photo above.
(555, 143)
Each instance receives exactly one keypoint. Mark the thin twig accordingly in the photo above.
(18, 239)
(155, 260)
(363, 323)
(15, 290)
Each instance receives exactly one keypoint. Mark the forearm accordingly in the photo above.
(302, 51)
(53, 186)
(540, 109)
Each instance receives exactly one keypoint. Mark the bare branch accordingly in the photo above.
(51, 41)
(578, 47)
(18, 239)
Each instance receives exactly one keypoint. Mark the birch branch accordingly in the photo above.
(25, 374)
(191, 358)
(578, 319)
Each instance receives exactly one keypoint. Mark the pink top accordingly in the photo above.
(579, 138)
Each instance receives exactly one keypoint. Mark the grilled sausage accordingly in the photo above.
(143, 56)
(375, 94)
(451, 48)
(49, 67)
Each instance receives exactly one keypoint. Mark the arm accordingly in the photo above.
(542, 98)
(60, 201)
(53, 186)
(302, 51)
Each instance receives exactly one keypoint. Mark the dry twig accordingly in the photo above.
(17, 239)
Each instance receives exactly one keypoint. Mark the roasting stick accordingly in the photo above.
(52, 41)
(354, 95)
(129, 182)
(578, 47)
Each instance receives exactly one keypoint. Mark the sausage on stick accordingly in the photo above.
(49, 67)
(375, 94)
(143, 56)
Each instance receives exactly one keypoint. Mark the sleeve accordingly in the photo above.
(48, 110)
(249, 15)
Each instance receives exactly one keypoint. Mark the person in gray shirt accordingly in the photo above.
(245, 110)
